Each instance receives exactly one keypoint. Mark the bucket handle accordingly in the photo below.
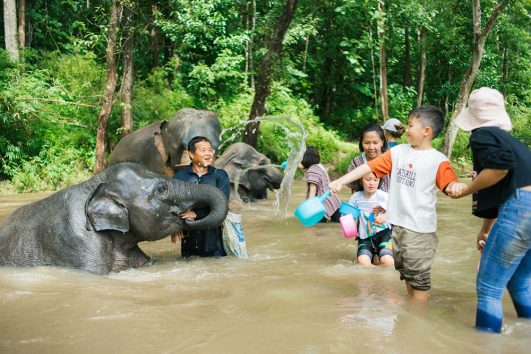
(325, 195)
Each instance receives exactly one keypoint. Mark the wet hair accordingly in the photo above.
(430, 116)
(371, 173)
(195, 140)
(310, 157)
(373, 127)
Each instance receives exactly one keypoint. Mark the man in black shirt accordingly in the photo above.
(204, 243)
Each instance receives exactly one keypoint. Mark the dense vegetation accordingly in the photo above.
(205, 53)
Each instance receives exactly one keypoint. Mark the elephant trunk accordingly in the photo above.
(216, 200)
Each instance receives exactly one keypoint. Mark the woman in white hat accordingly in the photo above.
(501, 194)
(393, 130)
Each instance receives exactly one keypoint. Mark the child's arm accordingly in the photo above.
(355, 174)
(312, 190)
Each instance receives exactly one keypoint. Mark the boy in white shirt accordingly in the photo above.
(374, 232)
(417, 172)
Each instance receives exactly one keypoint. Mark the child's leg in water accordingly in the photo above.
(414, 294)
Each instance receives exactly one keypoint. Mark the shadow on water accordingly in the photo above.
(299, 292)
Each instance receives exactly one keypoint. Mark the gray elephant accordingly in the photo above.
(160, 145)
(97, 225)
(260, 177)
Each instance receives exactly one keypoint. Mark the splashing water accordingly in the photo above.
(296, 141)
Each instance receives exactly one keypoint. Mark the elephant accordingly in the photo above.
(254, 183)
(96, 225)
(160, 145)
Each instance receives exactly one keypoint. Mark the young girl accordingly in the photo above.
(393, 130)
(318, 180)
(372, 144)
(374, 233)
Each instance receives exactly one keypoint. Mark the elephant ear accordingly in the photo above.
(233, 165)
(105, 212)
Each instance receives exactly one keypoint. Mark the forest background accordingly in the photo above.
(341, 65)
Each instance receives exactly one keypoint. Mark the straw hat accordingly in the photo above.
(486, 108)
(390, 125)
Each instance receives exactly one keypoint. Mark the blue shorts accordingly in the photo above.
(379, 244)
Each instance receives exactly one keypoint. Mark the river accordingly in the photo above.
(299, 292)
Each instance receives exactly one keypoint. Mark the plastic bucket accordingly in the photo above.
(348, 225)
(312, 210)
(346, 208)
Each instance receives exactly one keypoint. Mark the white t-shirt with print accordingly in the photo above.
(416, 176)
(367, 227)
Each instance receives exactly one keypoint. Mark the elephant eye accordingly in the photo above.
(162, 188)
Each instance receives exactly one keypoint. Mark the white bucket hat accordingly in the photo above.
(486, 108)
(390, 125)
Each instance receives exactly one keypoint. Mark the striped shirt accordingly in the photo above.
(316, 174)
(356, 185)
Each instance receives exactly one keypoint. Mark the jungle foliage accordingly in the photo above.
(205, 53)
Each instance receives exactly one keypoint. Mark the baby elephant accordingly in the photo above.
(97, 225)
(251, 169)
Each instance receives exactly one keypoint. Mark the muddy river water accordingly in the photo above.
(299, 292)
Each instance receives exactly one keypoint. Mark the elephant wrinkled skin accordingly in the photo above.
(260, 177)
(97, 225)
(160, 145)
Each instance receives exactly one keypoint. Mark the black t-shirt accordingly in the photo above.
(496, 149)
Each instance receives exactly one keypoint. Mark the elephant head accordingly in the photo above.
(135, 199)
(161, 145)
(186, 124)
(251, 170)
(97, 225)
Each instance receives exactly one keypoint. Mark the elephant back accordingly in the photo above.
(141, 147)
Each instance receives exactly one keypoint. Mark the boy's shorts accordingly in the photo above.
(413, 253)
(379, 244)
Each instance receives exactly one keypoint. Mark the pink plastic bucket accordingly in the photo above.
(348, 225)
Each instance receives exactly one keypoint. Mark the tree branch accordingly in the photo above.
(56, 101)
(492, 19)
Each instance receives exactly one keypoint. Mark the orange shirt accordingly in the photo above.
(416, 175)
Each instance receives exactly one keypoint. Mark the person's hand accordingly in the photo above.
(189, 214)
(455, 190)
(481, 239)
(178, 236)
(335, 187)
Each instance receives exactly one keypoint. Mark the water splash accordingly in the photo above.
(295, 137)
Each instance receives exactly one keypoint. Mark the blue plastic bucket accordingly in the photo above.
(346, 208)
(312, 210)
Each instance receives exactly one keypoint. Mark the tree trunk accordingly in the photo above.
(505, 63)
(468, 80)
(264, 72)
(447, 96)
(246, 24)
(112, 76)
(127, 80)
(407, 57)
(155, 36)
(374, 88)
(21, 23)
(251, 44)
(383, 63)
(422, 68)
(10, 29)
